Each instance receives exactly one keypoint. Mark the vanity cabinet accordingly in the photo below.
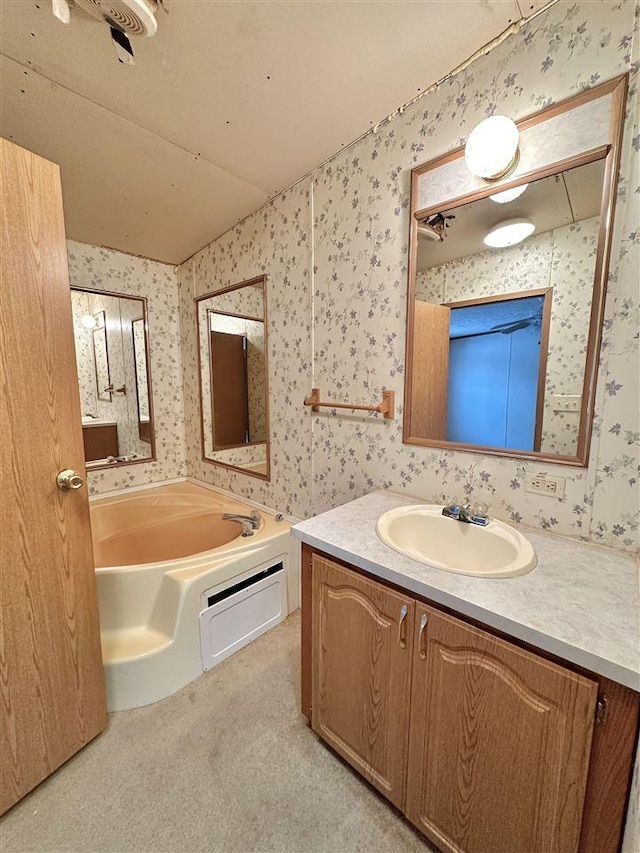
(484, 745)
(505, 736)
(100, 441)
(362, 666)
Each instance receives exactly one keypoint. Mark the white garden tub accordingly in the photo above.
(161, 554)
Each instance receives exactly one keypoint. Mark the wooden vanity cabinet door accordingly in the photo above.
(499, 745)
(361, 652)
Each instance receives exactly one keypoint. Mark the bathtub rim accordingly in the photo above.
(269, 528)
(176, 481)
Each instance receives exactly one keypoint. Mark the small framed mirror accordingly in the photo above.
(507, 285)
(234, 386)
(112, 361)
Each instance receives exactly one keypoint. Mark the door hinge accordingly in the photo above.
(602, 707)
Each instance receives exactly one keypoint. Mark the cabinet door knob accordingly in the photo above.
(422, 646)
(68, 479)
(402, 631)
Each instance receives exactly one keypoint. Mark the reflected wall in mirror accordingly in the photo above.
(515, 364)
(141, 374)
(100, 355)
(234, 389)
(112, 358)
(504, 324)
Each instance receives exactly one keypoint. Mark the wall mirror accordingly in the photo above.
(112, 360)
(233, 367)
(506, 288)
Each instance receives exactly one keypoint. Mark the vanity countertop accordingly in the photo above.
(581, 602)
(97, 422)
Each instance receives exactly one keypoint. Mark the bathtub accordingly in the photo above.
(161, 555)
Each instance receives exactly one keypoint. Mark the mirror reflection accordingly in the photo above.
(113, 377)
(141, 372)
(501, 320)
(233, 377)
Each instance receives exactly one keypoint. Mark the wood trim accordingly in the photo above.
(152, 431)
(609, 196)
(555, 168)
(250, 282)
(239, 316)
(610, 769)
(263, 280)
(613, 745)
(306, 611)
(410, 324)
(499, 297)
(611, 155)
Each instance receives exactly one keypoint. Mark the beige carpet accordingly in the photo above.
(227, 764)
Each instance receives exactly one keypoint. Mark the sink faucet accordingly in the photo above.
(467, 514)
(250, 523)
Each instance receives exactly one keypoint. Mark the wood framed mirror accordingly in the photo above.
(117, 417)
(503, 341)
(233, 370)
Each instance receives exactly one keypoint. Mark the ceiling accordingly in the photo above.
(228, 104)
(549, 203)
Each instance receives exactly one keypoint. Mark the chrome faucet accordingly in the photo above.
(467, 514)
(250, 523)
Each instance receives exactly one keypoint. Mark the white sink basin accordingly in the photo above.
(424, 534)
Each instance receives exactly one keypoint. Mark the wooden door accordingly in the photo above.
(229, 390)
(52, 698)
(499, 745)
(361, 673)
(430, 376)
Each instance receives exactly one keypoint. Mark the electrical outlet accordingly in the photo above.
(545, 484)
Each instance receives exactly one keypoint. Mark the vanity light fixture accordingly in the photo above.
(508, 195)
(492, 152)
(88, 321)
(509, 233)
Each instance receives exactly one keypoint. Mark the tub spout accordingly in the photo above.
(250, 523)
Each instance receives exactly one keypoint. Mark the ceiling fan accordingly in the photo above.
(433, 228)
(515, 325)
(124, 18)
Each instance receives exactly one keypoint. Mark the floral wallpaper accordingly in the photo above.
(106, 269)
(275, 241)
(84, 353)
(335, 249)
(562, 259)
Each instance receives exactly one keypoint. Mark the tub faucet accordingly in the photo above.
(250, 523)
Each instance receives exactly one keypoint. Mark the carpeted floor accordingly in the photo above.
(227, 764)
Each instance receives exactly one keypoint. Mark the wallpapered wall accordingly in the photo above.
(562, 259)
(83, 338)
(105, 269)
(335, 251)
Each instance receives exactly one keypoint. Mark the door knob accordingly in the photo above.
(68, 479)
